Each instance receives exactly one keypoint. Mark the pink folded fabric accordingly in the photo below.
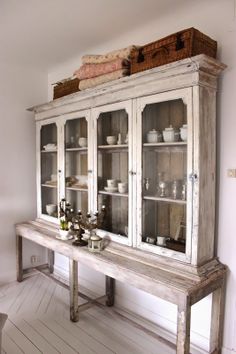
(88, 83)
(123, 53)
(87, 71)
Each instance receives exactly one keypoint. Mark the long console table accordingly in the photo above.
(131, 266)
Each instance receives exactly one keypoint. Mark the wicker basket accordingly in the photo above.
(177, 46)
(65, 87)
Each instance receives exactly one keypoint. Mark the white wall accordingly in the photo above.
(20, 87)
(217, 19)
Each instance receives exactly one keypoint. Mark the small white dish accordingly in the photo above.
(111, 189)
(67, 238)
(50, 147)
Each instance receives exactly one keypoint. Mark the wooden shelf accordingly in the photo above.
(162, 144)
(167, 200)
(76, 149)
(48, 185)
(116, 194)
(77, 189)
(112, 147)
(48, 151)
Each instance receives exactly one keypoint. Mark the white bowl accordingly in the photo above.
(111, 140)
(112, 183)
(111, 189)
(51, 209)
(83, 142)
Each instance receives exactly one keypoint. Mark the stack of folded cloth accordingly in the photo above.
(98, 69)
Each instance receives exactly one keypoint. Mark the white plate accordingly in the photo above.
(50, 147)
(111, 189)
(65, 239)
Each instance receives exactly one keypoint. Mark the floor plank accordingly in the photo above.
(38, 322)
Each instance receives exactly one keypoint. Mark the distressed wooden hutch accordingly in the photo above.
(171, 185)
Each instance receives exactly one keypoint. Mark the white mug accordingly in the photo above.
(161, 240)
(123, 187)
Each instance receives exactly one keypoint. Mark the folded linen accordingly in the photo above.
(124, 53)
(87, 71)
(88, 83)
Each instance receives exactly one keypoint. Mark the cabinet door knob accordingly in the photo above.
(90, 171)
(132, 173)
(193, 177)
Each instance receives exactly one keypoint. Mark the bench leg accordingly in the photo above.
(183, 328)
(19, 266)
(51, 261)
(73, 279)
(217, 319)
(110, 290)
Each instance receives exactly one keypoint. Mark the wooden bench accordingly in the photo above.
(143, 271)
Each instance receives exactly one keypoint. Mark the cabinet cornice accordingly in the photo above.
(199, 70)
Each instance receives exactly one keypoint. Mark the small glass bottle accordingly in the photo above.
(183, 193)
(146, 184)
(72, 142)
(162, 189)
(174, 190)
(160, 178)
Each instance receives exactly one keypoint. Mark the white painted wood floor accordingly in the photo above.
(38, 310)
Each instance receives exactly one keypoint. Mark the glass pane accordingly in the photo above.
(78, 200)
(164, 169)
(113, 169)
(159, 116)
(48, 143)
(76, 163)
(116, 220)
(164, 224)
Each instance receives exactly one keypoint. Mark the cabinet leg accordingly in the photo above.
(19, 266)
(217, 318)
(183, 328)
(51, 261)
(110, 290)
(73, 279)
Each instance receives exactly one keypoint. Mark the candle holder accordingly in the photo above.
(77, 223)
(89, 222)
(77, 230)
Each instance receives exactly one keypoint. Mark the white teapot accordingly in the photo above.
(154, 136)
(170, 134)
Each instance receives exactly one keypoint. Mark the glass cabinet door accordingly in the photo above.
(76, 163)
(113, 159)
(48, 163)
(164, 164)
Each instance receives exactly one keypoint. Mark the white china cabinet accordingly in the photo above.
(63, 163)
(143, 146)
(112, 168)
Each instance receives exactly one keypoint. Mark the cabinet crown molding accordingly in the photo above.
(198, 70)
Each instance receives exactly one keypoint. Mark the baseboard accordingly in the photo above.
(228, 351)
